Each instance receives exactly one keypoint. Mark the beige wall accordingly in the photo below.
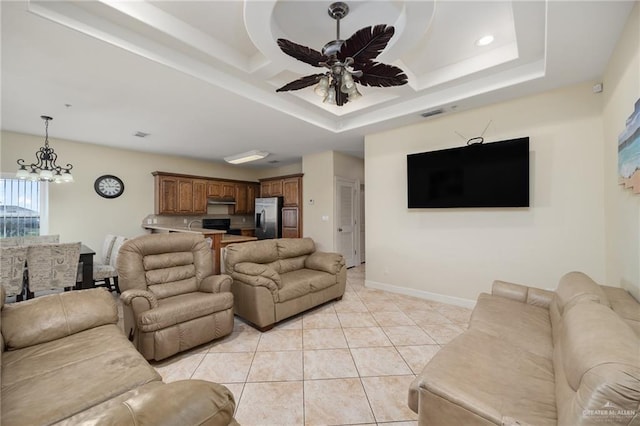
(317, 185)
(289, 169)
(77, 213)
(320, 171)
(454, 254)
(622, 207)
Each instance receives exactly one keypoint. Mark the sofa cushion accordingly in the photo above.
(263, 251)
(291, 264)
(182, 308)
(575, 287)
(58, 315)
(491, 378)
(521, 324)
(294, 247)
(40, 383)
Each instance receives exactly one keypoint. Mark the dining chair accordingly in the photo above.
(105, 273)
(52, 267)
(12, 264)
(11, 242)
(30, 240)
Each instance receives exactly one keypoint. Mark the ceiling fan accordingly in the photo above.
(348, 62)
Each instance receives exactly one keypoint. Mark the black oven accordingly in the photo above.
(220, 224)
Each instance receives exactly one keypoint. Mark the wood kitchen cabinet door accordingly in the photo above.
(271, 188)
(252, 193)
(214, 189)
(185, 196)
(240, 195)
(290, 222)
(291, 191)
(228, 190)
(167, 195)
(200, 196)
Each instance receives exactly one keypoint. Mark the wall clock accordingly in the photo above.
(109, 186)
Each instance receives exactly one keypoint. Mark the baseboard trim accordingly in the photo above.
(451, 300)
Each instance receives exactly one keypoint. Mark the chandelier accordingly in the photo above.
(45, 168)
(348, 62)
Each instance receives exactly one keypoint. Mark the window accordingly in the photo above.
(22, 207)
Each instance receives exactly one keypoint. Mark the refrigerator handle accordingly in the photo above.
(263, 222)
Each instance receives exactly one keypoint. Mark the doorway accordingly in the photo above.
(347, 232)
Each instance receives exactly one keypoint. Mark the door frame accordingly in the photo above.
(356, 214)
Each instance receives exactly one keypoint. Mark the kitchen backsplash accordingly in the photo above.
(237, 221)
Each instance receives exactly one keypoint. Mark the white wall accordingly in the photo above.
(77, 213)
(457, 253)
(622, 207)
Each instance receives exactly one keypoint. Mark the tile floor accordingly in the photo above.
(343, 363)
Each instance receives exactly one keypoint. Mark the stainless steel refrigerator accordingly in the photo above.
(268, 218)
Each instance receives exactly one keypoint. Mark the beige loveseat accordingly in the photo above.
(533, 357)
(65, 361)
(276, 279)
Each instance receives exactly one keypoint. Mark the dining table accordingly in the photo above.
(86, 263)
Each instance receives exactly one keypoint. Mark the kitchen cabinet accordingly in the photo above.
(291, 222)
(291, 191)
(246, 232)
(199, 196)
(242, 203)
(177, 194)
(271, 188)
(252, 193)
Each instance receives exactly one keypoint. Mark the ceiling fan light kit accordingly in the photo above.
(348, 62)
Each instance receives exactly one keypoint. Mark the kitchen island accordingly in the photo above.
(219, 239)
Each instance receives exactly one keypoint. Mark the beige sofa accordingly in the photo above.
(276, 279)
(533, 357)
(65, 361)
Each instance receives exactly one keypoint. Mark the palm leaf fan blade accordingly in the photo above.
(377, 74)
(302, 53)
(366, 44)
(301, 83)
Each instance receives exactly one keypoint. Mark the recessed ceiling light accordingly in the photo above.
(483, 41)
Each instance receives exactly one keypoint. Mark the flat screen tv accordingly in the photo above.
(478, 175)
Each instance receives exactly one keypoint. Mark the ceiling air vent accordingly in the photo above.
(432, 113)
(273, 161)
(140, 134)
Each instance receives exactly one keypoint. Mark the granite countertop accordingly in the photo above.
(193, 230)
(228, 239)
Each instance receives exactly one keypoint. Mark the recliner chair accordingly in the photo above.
(171, 299)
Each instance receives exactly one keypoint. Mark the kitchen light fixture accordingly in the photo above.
(349, 62)
(245, 157)
(45, 168)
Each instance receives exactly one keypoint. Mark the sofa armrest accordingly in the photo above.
(326, 262)
(185, 403)
(521, 293)
(135, 297)
(216, 284)
(509, 290)
(55, 316)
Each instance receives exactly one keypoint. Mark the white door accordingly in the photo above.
(346, 229)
